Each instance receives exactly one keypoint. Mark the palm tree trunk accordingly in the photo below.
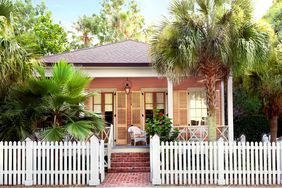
(211, 98)
(273, 127)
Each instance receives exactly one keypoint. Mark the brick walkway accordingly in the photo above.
(130, 179)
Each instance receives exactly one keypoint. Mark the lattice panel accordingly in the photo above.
(136, 117)
(218, 108)
(135, 99)
(136, 109)
(175, 108)
(183, 116)
(121, 113)
(121, 100)
(121, 133)
(182, 99)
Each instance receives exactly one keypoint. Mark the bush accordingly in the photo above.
(253, 126)
(162, 126)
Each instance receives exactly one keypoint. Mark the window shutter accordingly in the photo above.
(136, 109)
(218, 108)
(180, 108)
(121, 120)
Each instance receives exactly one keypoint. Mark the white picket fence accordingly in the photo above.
(52, 163)
(219, 163)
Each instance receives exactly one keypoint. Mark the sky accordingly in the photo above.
(67, 12)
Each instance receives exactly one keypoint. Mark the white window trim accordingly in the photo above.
(194, 89)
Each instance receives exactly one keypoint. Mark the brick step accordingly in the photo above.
(130, 164)
(129, 169)
(135, 154)
(130, 159)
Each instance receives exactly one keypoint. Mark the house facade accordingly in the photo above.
(129, 90)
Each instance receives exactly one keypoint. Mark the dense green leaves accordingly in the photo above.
(274, 17)
(36, 31)
(54, 104)
(162, 126)
(118, 20)
(208, 39)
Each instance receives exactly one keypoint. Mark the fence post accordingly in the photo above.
(280, 154)
(102, 160)
(220, 161)
(94, 161)
(155, 160)
(29, 160)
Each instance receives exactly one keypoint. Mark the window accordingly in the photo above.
(154, 101)
(198, 107)
(103, 105)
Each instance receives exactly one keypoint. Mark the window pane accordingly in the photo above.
(198, 102)
(108, 108)
(149, 98)
(192, 100)
(149, 106)
(97, 109)
(198, 107)
(97, 98)
(204, 113)
(108, 98)
(160, 97)
(160, 106)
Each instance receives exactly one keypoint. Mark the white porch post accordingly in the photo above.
(170, 99)
(230, 108)
(222, 103)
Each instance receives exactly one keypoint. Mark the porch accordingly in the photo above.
(184, 103)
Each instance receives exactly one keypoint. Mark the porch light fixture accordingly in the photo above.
(127, 89)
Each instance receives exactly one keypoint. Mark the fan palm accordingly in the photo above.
(265, 79)
(206, 38)
(57, 103)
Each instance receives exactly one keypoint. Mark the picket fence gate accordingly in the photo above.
(52, 163)
(218, 163)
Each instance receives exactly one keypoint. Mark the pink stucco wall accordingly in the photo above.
(138, 83)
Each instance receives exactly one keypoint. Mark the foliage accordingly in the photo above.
(208, 39)
(252, 126)
(162, 126)
(36, 31)
(248, 117)
(118, 20)
(54, 104)
(265, 79)
(274, 17)
(14, 60)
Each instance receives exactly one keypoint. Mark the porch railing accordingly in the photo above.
(200, 133)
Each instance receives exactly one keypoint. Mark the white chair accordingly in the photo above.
(137, 135)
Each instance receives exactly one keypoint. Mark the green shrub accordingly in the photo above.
(253, 126)
(162, 126)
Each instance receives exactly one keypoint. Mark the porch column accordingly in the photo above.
(230, 108)
(170, 99)
(222, 103)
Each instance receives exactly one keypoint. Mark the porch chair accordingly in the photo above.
(137, 135)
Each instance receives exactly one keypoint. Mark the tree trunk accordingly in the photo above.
(273, 127)
(211, 97)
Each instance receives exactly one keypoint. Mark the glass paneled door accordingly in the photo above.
(154, 101)
(103, 104)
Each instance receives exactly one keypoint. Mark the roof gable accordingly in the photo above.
(125, 53)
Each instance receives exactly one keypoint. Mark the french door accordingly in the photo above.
(103, 104)
(154, 101)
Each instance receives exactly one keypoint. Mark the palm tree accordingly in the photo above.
(206, 38)
(55, 104)
(14, 60)
(265, 79)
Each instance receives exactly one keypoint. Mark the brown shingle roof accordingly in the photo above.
(125, 53)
